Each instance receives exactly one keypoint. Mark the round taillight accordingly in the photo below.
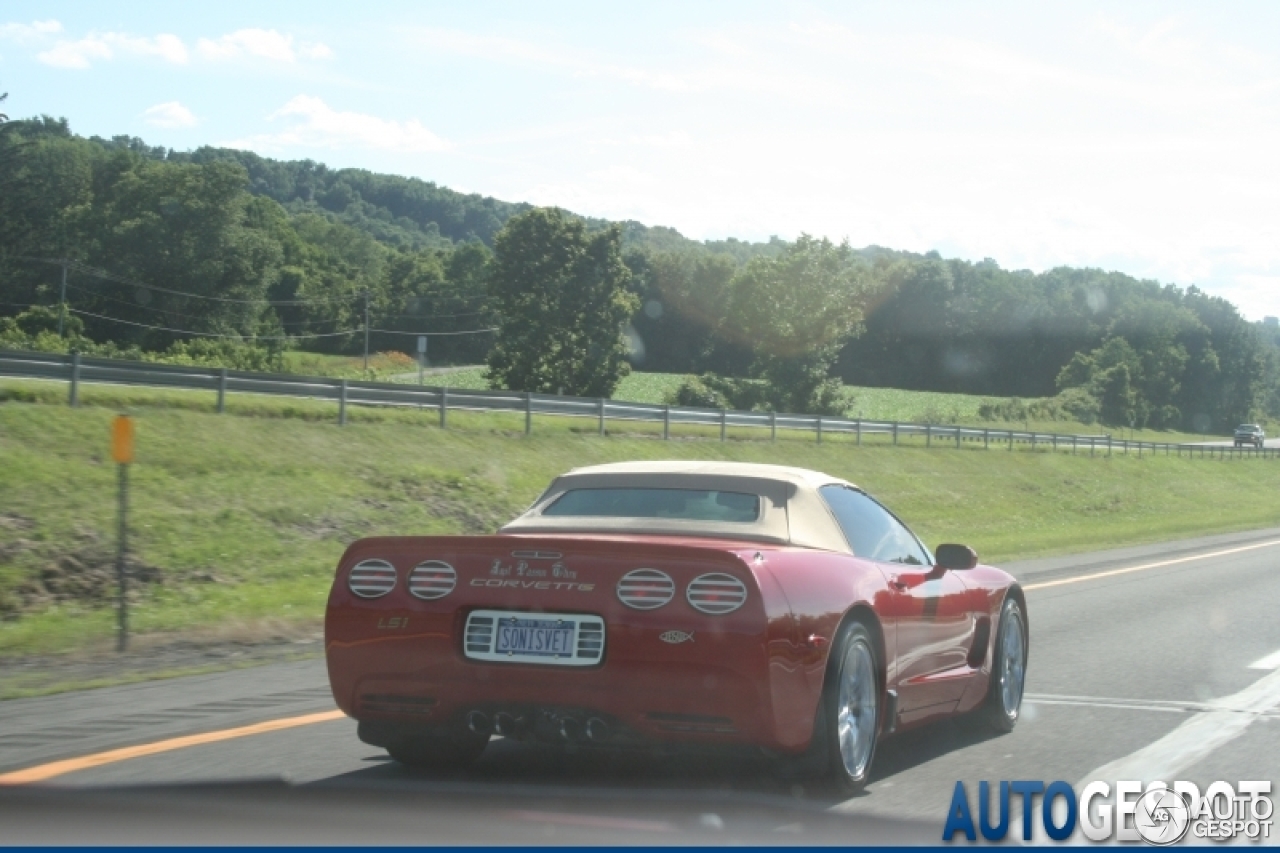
(645, 589)
(432, 579)
(716, 593)
(372, 578)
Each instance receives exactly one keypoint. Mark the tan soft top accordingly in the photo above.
(792, 511)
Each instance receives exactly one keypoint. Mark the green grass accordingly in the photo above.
(245, 516)
(654, 388)
(635, 388)
(873, 404)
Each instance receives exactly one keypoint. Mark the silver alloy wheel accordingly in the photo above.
(856, 712)
(1013, 663)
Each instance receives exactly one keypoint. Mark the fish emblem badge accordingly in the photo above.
(674, 637)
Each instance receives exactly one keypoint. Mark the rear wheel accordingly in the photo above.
(437, 752)
(1008, 669)
(848, 724)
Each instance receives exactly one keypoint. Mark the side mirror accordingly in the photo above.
(955, 557)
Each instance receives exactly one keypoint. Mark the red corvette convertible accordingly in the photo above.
(675, 603)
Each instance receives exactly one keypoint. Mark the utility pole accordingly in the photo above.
(62, 312)
(366, 331)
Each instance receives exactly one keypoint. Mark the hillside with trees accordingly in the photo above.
(221, 256)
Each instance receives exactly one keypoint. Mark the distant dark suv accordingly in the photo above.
(1250, 434)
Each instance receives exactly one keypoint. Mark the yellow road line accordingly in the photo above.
(44, 772)
(1113, 572)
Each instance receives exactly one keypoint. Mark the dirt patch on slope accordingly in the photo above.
(80, 571)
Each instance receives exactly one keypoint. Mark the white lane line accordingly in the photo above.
(1166, 759)
(1271, 661)
(1121, 706)
(1137, 704)
(1145, 566)
(1195, 739)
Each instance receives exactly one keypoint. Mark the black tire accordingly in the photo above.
(1002, 707)
(438, 752)
(844, 765)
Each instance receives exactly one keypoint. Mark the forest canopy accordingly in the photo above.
(215, 250)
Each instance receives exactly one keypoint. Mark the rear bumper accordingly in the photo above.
(713, 690)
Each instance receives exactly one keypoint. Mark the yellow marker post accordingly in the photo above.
(122, 452)
(122, 439)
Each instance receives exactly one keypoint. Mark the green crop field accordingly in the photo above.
(875, 404)
(239, 519)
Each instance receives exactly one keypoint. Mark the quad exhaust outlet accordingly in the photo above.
(597, 730)
(508, 725)
(523, 723)
(479, 723)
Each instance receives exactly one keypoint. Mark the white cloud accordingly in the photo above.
(315, 51)
(81, 53)
(75, 54)
(317, 125)
(260, 44)
(34, 31)
(503, 49)
(169, 114)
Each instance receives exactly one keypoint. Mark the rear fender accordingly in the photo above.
(863, 613)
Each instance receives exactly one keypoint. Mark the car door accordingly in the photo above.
(927, 608)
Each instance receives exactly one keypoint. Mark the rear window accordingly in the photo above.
(689, 504)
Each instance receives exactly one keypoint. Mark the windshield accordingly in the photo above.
(688, 504)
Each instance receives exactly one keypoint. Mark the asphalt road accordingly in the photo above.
(1119, 661)
(1269, 443)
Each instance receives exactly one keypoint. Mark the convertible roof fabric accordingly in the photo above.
(792, 511)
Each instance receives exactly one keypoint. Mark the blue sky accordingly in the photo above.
(1142, 137)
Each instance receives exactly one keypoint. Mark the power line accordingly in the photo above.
(275, 337)
(85, 269)
(442, 316)
(119, 279)
(215, 334)
(435, 334)
(166, 311)
(106, 275)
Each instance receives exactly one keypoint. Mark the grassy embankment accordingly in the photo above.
(238, 519)
(879, 404)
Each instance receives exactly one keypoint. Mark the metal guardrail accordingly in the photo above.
(76, 370)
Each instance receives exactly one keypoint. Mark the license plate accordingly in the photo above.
(536, 637)
(523, 636)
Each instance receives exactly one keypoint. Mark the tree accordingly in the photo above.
(1119, 405)
(795, 311)
(683, 296)
(562, 295)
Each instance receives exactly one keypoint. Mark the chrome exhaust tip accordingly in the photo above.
(507, 725)
(597, 730)
(570, 729)
(479, 723)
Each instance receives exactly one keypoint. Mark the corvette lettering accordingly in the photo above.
(520, 584)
